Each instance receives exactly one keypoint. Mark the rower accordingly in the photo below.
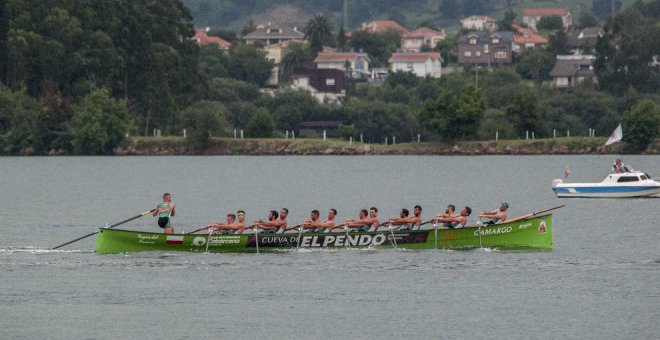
(322, 226)
(365, 223)
(449, 212)
(232, 226)
(496, 216)
(316, 225)
(164, 211)
(408, 222)
(460, 220)
(273, 224)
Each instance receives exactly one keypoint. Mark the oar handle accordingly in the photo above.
(294, 227)
(200, 229)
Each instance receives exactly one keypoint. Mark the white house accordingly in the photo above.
(421, 64)
(422, 37)
(531, 16)
(358, 62)
(479, 23)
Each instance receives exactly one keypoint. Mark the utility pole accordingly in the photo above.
(345, 23)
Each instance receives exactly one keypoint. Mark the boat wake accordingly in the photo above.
(35, 250)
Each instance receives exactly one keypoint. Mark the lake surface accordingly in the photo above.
(600, 281)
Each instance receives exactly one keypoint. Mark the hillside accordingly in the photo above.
(443, 13)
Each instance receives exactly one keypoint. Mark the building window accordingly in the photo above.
(330, 82)
(473, 41)
(500, 55)
(485, 48)
(496, 40)
(467, 54)
(409, 66)
(477, 54)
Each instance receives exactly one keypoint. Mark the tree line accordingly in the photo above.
(79, 75)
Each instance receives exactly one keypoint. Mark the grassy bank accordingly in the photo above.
(229, 146)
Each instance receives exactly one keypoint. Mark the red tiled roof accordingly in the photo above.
(545, 11)
(336, 56)
(423, 32)
(202, 39)
(525, 35)
(414, 57)
(381, 26)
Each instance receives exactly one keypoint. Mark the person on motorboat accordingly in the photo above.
(406, 222)
(457, 221)
(449, 212)
(164, 211)
(618, 167)
(496, 216)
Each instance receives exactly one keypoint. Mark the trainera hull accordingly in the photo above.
(533, 233)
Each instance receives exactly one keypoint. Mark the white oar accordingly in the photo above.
(208, 240)
(435, 227)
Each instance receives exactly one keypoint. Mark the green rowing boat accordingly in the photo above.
(530, 233)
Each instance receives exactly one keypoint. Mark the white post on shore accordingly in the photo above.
(241, 134)
(234, 133)
(419, 138)
(154, 132)
(184, 133)
(589, 132)
(293, 134)
(554, 133)
(393, 140)
(350, 140)
(287, 135)
(533, 137)
(158, 133)
(323, 135)
(497, 135)
(526, 134)
(361, 139)
(385, 140)
(568, 133)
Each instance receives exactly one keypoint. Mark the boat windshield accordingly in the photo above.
(628, 179)
(643, 177)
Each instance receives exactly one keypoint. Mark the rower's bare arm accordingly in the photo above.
(173, 210)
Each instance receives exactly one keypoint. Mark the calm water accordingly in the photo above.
(600, 281)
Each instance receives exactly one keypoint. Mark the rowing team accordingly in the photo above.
(366, 221)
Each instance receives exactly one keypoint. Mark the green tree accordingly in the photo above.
(261, 125)
(99, 123)
(297, 55)
(550, 23)
(624, 55)
(535, 64)
(524, 114)
(602, 9)
(450, 9)
(587, 20)
(202, 120)
(641, 124)
(558, 43)
(507, 20)
(249, 63)
(319, 32)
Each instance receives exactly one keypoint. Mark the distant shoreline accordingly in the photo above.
(146, 146)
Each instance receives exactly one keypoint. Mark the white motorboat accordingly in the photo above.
(616, 185)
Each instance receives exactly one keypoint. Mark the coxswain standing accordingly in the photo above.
(164, 211)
